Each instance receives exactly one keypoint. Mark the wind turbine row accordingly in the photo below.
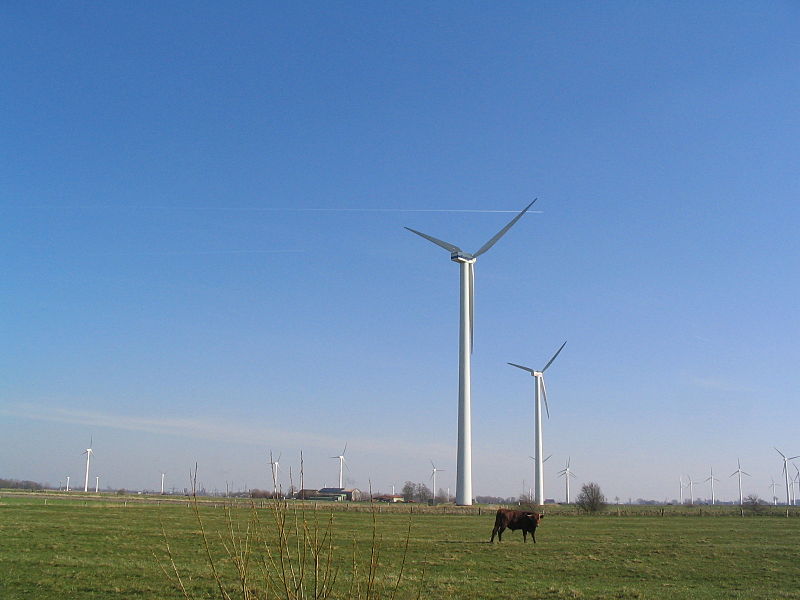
(466, 263)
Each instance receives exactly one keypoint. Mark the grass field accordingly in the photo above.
(94, 549)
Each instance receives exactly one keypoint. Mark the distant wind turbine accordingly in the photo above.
(540, 392)
(67, 483)
(88, 452)
(773, 485)
(433, 476)
(566, 473)
(467, 269)
(691, 483)
(739, 472)
(786, 472)
(96, 484)
(341, 460)
(276, 467)
(797, 481)
(712, 479)
(680, 480)
(162, 483)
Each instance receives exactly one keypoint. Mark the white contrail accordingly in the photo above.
(279, 209)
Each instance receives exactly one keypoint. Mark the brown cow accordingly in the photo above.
(513, 520)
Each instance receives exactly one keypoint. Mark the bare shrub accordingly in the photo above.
(290, 556)
(591, 498)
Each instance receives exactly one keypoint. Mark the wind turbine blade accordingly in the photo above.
(521, 367)
(345, 449)
(779, 452)
(471, 285)
(745, 473)
(550, 362)
(546, 459)
(438, 242)
(544, 396)
(502, 232)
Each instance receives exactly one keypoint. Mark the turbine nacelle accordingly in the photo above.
(462, 257)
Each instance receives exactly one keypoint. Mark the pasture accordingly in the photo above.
(70, 548)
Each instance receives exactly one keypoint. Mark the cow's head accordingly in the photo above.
(536, 517)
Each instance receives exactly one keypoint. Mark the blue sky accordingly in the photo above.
(203, 254)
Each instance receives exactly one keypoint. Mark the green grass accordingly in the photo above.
(77, 549)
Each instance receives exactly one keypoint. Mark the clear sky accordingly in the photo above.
(202, 253)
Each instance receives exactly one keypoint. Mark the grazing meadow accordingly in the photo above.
(52, 547)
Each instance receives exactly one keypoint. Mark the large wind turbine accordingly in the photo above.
(566, 474)
(88, 452)
(467, 267)
(539, 394)
(786, 473)
(712, 479)
(739, 472)
(433, 476)
(341, 466)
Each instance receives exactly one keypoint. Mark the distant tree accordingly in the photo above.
(591, 498)
(753, 503)
(408, 491)
(441, 496)
(422, 493)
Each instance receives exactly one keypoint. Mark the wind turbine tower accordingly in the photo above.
(680, 480)
(466, 263)
(67, 483)
(540, 392)
(341, 460)
(162, 483)
(566, 474)
(739, 472)
(275, 465)
(88, 452)
(712, 479)
(786, 473)
(433, 476)
(691, 483)
(97, 484)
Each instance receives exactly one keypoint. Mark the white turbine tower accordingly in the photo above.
(680, 480)
(275, 465)
(566, 474)
(540, 392)
(67, 483)
(712, 479)
(533, 458)
(786, 473)
(433, 476)
(341, 460)
(739, 472)
(797, 482)
(773, 485)
(88, 452)
(690, 484)
(162, 483)
(97, 484)
(467, 268)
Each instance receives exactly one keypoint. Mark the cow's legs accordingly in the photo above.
(524, 536)
(499, 531)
